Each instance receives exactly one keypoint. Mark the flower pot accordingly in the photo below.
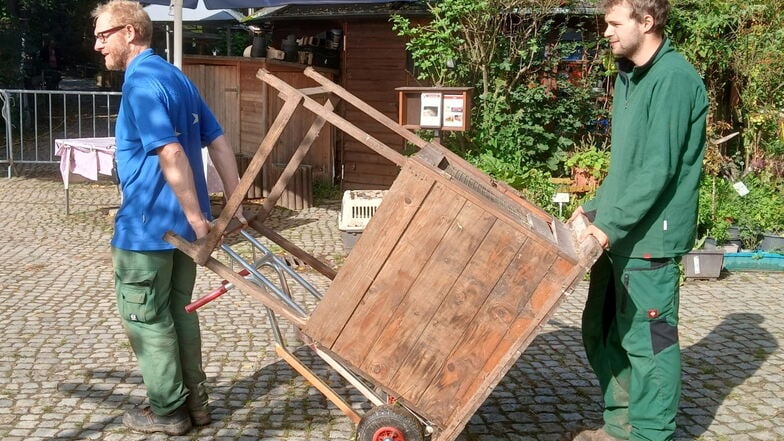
(583, 181)
(772, 243)
(733, 236)
(703, 264)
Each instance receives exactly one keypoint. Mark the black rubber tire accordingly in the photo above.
(404, 425)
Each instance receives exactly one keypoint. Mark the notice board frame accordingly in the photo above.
(452, 117)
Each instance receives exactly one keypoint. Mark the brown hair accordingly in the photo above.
(658, 9)
(127, 12)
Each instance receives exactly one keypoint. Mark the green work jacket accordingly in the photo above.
(647, 204)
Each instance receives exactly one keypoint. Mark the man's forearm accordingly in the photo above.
(179, 175)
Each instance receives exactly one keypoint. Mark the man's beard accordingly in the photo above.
(117, 60)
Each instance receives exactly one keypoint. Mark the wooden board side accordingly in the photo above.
(392, 283)
(397, 342)
(447, 325)
(454, 386)
(364, 262)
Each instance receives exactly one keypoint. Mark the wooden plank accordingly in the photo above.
(397, 343)
(323, 387)
(371, 183)
(293, 164)
(207, 243)
(541, 304)
(404, 265)
(388, 170)
(459, 309)
(333, 118)
(384, 230)
(296, 251)
(452, 387)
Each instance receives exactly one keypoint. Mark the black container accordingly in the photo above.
(259, 47)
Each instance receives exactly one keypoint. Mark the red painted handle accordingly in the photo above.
(223, 289)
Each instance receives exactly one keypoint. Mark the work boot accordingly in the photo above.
(200, 417)
(145, 420)
(199, 410)
(595, 435)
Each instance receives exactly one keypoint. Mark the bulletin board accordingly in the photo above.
(442, 108)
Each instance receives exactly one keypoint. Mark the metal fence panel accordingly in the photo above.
(33, 119)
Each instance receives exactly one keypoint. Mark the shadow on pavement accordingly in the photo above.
(552, 382)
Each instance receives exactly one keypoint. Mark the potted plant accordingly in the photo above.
(704, 261)
(588, 167)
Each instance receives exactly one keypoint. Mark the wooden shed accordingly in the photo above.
(372, 64)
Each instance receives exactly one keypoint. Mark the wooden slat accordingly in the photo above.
(461, 304)
(319, 384)
(402, 268)
(388, 224)
(396, 344)
(541, 305)
(503, 307)
(333, 118)
(207, 243)
(296, 251)
(293, 164)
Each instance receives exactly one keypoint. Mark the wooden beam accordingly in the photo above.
(208, 243)
(296, 159)
(296, 251)
(323, 387)
(331, 117)
(257, 292)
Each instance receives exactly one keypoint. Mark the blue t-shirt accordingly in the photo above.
(160, 105)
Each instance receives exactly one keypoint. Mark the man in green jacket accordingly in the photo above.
(644, 215)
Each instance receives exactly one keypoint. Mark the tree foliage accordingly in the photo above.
(25, 25)
(738, 46)
(529, 111)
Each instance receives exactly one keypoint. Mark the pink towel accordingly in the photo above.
(85, 163)
(105, 162)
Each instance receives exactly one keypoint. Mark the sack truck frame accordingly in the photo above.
(448, 284)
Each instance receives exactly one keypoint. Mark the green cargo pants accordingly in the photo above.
(630, 333)
(152, 290)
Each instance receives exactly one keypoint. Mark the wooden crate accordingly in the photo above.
(446, 287)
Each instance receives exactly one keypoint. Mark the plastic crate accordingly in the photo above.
(357, 208)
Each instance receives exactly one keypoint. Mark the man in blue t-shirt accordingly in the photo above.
(162, 125)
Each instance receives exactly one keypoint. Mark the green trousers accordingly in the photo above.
(630, 333)
(152, 290)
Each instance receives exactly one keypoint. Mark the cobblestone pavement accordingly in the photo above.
(67, 372)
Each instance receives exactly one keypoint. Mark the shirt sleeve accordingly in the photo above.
(151, 114)
(210, 127)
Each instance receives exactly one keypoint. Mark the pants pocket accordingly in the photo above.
(135, 295)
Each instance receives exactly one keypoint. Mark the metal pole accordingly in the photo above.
(177, 5)
(168, 43)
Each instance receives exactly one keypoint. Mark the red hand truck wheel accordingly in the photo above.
(389, 423)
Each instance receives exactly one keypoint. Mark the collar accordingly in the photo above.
(143, 55)
(626, 66)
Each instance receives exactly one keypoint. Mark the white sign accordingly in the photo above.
(561, 198)
(741, 188)
(454, 111)
(430, 113)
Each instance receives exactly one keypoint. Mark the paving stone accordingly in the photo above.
(67, 371)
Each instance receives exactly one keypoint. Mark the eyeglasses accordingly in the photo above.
(103, 35)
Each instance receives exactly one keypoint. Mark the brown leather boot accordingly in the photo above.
(146, 421)
(595, 435)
